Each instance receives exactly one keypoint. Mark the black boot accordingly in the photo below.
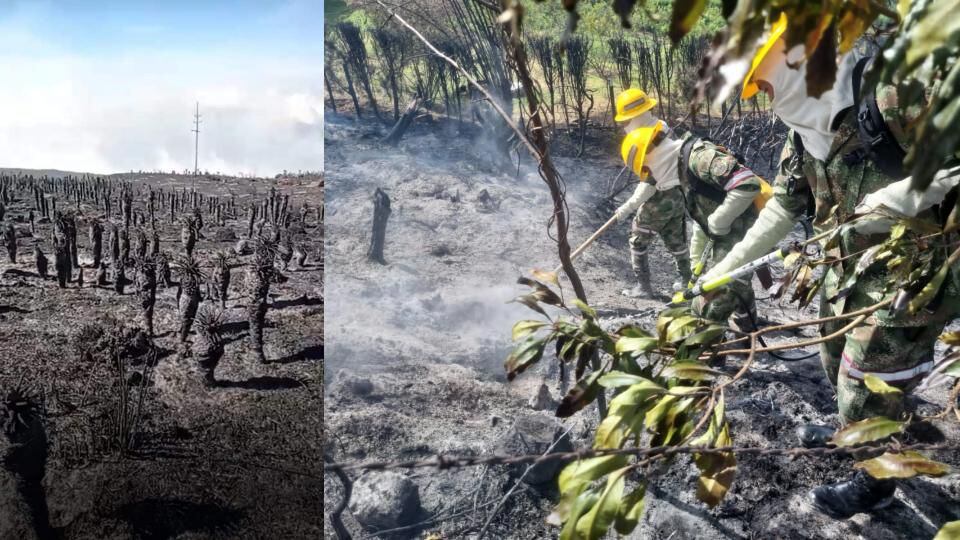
(862, 493)
(643, 288)
(815, 436)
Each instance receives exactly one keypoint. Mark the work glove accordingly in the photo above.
(898, 199)
(641, 194)
(772, 225)
(733, 206)
(698, 242)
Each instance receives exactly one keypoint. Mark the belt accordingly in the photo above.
(902, 375)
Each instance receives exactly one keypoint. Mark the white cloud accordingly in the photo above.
(121, 111)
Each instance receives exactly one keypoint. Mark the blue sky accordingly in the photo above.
(110, 85)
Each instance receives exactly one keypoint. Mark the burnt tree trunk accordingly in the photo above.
(396, 133)
(381, 212)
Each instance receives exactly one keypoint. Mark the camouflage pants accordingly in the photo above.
(737, 296)
(901, 355)
(662, 215)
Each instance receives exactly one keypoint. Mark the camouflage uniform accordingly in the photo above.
(662, 214)
(718, 168)
(898, 348)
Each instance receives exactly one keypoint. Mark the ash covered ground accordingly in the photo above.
(417, 346)
(229, 461)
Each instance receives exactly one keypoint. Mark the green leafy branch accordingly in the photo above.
(666, 394)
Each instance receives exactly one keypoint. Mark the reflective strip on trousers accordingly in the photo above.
(902, 375)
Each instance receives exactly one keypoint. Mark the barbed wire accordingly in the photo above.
(442, 462)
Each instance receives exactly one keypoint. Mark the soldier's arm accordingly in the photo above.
(775, 221)
(645, 189)
(712, 163)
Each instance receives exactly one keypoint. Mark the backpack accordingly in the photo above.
(710, 191)
(877, 142)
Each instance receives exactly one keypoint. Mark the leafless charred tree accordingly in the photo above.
(146, 283)
(61, 261)
(95, 236)
(10, 241)
(393, 51)
(357, 61)
(191, 277)
(578, 55)
(260, 273)
(381, 212)
(222, 276)
(543, 53)
(208, 344)
(623, 60)
(41, 261)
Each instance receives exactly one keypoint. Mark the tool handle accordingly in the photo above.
(586, 243)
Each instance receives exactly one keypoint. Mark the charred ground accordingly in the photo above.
(141, 448)
(418, 345)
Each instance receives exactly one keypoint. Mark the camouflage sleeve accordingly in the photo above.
(897, 117)
(718, 166)
(790, 187)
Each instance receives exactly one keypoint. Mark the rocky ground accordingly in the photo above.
(237, 460)
(417, 349)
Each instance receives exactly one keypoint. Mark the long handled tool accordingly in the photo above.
(701, 264)
(586, 243)
(745, 270)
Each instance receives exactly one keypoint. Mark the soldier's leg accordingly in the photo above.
(641, 236)
(673, 232)
(900, 356)
(737, 297)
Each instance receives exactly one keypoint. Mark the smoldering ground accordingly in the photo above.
(417, 347)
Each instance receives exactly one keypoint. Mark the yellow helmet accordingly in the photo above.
(631, 103)
(750, 87)
(635, 146)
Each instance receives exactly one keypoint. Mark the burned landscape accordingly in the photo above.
(162, 345)
(417, 346)
(437, 209)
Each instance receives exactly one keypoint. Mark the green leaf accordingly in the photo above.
(905, 465)
(681, 327)
(667, 316)
(879, 386)
(705, 336)
(637, 394)
(632, 331)
(580, 505)
(580, 395)
(594, 524)
(609, 433)
(587, 311)
(929, 290)
(578, 474)
(709, 437)
(950, 531)
(616, 379)
(693, 371)
(630, 511)
(523, 329)
(659, 411)
(525, 354)
(871, 429)
(635, 345)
